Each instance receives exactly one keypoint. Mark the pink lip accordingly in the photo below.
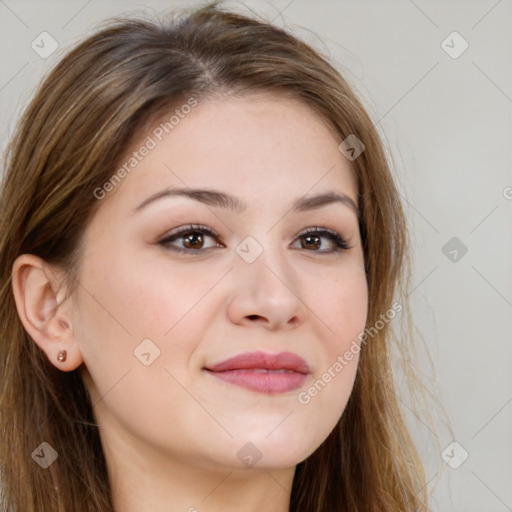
(265, 373)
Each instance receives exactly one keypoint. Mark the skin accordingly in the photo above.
(171, 431)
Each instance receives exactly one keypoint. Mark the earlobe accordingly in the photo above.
(37, 293)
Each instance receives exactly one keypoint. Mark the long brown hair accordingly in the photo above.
(70, 141)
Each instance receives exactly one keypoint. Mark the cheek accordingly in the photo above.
(125, 304)
(340, 304)
(145, 297)
(341, 307)
(145, 300)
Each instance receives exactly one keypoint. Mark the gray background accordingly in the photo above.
(448, 124)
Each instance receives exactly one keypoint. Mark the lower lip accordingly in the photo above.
(268, 383)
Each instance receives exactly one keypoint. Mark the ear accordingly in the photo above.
(38, 293)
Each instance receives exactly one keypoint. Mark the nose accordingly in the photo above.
(265, 295)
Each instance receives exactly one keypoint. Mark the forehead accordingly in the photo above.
(257, 146)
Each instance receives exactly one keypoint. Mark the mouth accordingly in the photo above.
(263, 373)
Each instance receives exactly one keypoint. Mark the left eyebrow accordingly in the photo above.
(218, 199)
(312, 202)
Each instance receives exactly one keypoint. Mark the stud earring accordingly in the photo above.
(62, 356)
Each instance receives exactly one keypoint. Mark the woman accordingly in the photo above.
(201, 247)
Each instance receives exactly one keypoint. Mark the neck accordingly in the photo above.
(143, 478)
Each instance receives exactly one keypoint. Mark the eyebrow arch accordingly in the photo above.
(218, 199)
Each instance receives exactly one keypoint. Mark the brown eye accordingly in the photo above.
(311, 242)
(322, 241)
(191, 239)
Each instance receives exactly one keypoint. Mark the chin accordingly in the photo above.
(272, 454)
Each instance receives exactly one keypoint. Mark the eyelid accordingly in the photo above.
(190, 227)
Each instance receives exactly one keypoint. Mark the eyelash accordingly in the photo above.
(339, 242)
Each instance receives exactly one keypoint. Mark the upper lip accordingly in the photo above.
(262, 360)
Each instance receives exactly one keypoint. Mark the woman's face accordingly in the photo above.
(163, 302)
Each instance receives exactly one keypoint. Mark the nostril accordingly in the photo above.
(253, 317)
